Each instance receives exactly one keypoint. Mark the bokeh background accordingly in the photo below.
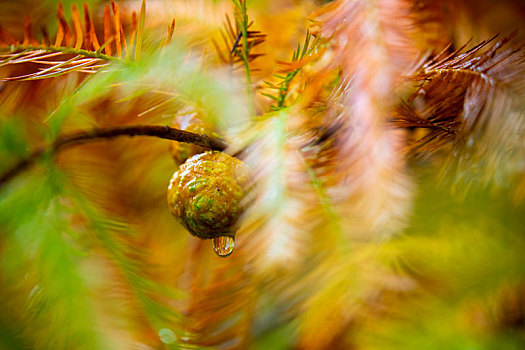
(349, 241)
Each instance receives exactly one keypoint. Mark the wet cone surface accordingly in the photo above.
(205, 194)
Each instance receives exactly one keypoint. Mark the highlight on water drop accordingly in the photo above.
(223, 245)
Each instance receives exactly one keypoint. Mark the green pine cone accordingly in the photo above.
(205, 194)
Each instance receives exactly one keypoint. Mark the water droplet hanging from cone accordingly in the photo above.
(205, 196)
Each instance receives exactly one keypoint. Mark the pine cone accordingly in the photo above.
(205, 194)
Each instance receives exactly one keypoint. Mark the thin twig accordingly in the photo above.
(61, 49)
(79, 137)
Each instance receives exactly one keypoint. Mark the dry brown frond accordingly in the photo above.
(70, 52)
(73, 52)
(117, 27)
(107, 30)
(371, 45)
(285, 206)
(470, 100)
(78, 27)
(63, 31)
(90, 39)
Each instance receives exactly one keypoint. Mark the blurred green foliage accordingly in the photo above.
(91, 259)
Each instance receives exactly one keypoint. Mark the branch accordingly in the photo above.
(79, 137)
(27, 49)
